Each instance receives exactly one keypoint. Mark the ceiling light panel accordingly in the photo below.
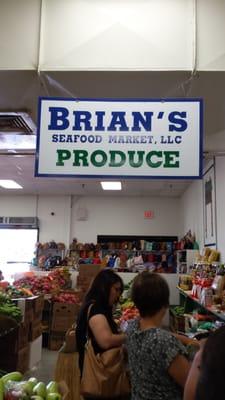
(9, 184)
(111, 185)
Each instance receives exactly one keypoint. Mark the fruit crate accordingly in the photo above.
(177, 322)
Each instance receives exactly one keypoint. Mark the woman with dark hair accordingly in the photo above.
(96, 318)
(206, 378)
(157, 362)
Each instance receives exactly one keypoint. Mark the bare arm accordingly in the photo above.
(103, 334)
(179, 369)
(186, 340)
(192, 380)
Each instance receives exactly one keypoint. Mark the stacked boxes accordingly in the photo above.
(35, 329)
(63, 317)
(15, 346)
(87, 273)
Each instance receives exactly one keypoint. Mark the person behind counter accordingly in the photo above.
(157, 359)
(206, 377)
(104, 292)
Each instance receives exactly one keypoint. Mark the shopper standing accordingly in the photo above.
(157, 361)
(96, 315)
(206, 378)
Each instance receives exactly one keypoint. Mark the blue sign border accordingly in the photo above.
(197, 100)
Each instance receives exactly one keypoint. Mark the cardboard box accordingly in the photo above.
(16, 362)
(9, 343)
(23, 335)
(35, 330)
(177, 322)
(89, 269)
(63, 317)
(26, 308)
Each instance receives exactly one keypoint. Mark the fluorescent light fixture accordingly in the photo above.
(111, 185)
(8, 184)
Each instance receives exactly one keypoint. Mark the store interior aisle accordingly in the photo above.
(44, 370)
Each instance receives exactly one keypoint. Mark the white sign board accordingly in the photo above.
(119, 138)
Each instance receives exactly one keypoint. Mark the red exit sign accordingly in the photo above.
(148, 214)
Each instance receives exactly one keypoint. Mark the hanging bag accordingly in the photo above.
(104, 374)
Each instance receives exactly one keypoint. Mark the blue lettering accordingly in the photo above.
(54, 138)
(139, 119)
(99, 126)
(82, 117)
(58, 118)
(118, 118)
(175, 120)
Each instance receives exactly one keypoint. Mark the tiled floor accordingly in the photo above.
(44, 370)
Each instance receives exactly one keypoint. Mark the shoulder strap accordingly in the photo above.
(88, 314)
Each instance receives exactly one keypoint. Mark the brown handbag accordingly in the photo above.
(104, 375)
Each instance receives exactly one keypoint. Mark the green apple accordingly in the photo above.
(54, 396)
(28, 387)
(33, 380)
(40, 389)
(52, 387)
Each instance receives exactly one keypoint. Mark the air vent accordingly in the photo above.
(18, 123)
(22, 222)
(17, 132)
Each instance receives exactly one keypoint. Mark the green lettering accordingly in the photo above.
(80, 156)
(139, 162)
(118, 163)
(97, 153)
(149, 159)
(62, 156)
(170, 161)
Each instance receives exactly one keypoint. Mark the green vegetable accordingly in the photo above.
(12, 376)
(54, 396)
(1, 389)
(52, 387)
(40, 389)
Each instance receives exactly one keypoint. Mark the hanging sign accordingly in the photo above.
(119, 138)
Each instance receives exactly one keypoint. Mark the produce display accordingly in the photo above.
(8, 308)
(13, 387)
(50, 284)
(126, 310)
(129, 311)
(69, 298)
(15, 292)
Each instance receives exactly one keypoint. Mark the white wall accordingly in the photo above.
(18, 206)
(191, 208)
(55, 226)
(106, 215)
(125, 216)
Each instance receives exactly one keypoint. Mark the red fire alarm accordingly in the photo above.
(149, 214)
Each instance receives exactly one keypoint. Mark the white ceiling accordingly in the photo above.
(19, 90)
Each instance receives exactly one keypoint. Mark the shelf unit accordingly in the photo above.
(186, 258)
(48, 253)
(189, 303)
